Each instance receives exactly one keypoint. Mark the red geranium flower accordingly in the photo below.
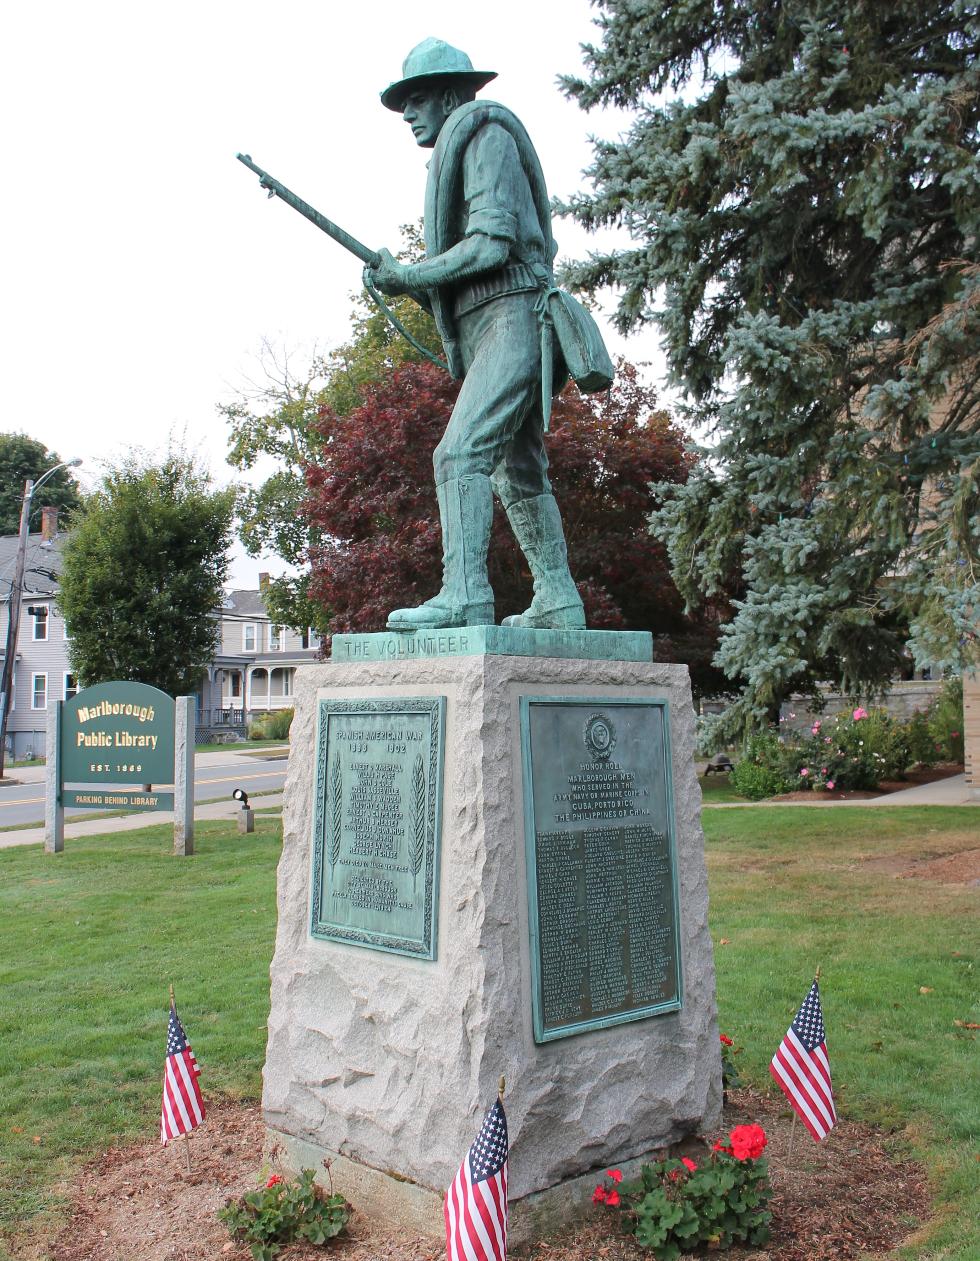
(748, 1141)
(615, 1174)
(612, 1199)
(720, 1147)
(689, 1165)
(599, 1195)
(274, 1181)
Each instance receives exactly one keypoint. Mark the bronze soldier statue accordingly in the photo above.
(486, 278)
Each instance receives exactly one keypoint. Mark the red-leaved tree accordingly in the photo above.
(371, 494)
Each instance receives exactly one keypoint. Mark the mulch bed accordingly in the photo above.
(843, 1198)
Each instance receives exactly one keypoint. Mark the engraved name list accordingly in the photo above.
(379, 766)
(600, 864)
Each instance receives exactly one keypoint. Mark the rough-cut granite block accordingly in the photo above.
(391, 1061)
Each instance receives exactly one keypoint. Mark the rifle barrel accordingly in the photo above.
(351, 243)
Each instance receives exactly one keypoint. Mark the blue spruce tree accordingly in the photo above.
(800, 182)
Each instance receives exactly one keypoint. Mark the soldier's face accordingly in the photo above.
(425, 112)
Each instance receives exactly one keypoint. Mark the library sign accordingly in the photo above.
(116, 739)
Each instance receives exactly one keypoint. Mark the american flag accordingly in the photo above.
(183, 1107)
(476, 1202)
(802, 1070)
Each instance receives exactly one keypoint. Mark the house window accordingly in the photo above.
(236, 685)
(39, 612)
(71, 686)
(39, 691)
(309, 638)
(287, 682)
(275, 639)
(248, 637)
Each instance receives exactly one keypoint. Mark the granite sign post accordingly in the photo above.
(107, 749)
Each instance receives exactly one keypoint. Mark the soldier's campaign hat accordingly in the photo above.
(433, 59)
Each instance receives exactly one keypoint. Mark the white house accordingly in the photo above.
(254, 667)
(252, 671)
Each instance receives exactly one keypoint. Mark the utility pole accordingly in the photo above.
(13, 607)
(13, 619)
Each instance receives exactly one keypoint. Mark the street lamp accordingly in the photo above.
(13, 608)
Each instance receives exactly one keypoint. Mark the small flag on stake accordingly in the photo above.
(183, 1106)
(476, 1202)
(802, 1071)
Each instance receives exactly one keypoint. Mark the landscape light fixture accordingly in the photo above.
(241, 795)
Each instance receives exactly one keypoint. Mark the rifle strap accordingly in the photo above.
(399, 327)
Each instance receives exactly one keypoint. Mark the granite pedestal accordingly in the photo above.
(387, 1061)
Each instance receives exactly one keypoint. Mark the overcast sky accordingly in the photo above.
(143, 264)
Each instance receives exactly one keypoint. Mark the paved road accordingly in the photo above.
(216, 776)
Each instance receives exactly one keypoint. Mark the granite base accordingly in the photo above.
(391, 1061)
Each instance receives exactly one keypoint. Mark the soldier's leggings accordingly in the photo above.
(496, 426)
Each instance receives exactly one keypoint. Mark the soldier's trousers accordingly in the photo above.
(496, 427)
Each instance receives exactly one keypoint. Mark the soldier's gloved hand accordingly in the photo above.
(390, 276)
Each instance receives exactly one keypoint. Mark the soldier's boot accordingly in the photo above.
(556, 605)
(466, 598)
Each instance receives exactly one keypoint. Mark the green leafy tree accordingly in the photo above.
(143, 568)
(372, 499)
(21, 458)
(806, 224)
(277, 420)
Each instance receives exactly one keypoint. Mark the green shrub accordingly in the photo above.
(855, 750)
(923, 750)
(946, 722)
(755, 782)
(677, 1205)
(278, 724)
(761, 772)
(271, 726)
(282, 1212)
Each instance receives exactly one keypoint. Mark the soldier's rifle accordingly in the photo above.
(368, 257)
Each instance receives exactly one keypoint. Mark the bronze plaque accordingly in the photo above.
(376, 823)
(602, 883)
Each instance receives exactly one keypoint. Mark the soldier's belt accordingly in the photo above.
(515, 278)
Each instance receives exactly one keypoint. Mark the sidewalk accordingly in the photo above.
(131, 822)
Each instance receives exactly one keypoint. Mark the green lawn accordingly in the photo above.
(717, 788)
(796, 888)
(91, 940)
(92, 937)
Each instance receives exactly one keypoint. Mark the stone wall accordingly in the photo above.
(901, 702)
